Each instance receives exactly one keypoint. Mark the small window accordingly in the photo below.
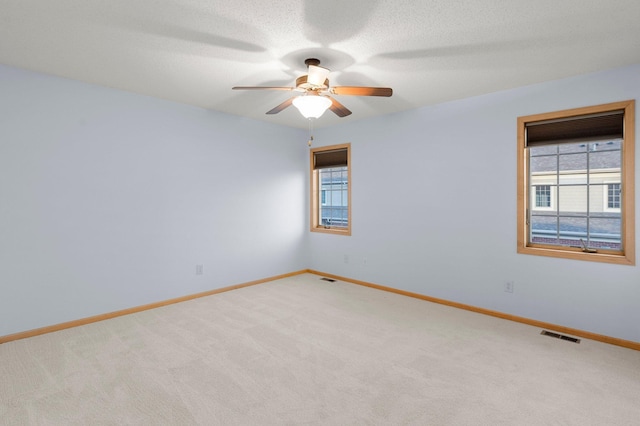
(613, 196)
(543, 196)
(576, 184)
(331, 189)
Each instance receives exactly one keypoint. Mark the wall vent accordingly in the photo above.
(559, 336)
(328, 279)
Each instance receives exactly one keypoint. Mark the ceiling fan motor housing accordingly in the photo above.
(302, 83)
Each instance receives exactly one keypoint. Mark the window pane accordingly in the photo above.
(614, 144)
(604, 160)
(573, 228)
(345, 216)
(543, 150)
(573, 162)
(544, 228)
(572, 199)
(570, 148)
(605, 232)
(543, 164)
(573, 168)
(334, 196)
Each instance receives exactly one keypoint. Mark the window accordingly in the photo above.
(543, 196)
(613, 196)
(569, 162)
(331, 189)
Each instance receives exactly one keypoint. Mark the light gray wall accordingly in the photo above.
(109, 200)
(450, 230)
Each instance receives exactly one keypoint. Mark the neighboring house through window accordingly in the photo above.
(576, 183)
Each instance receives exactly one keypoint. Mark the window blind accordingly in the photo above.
(333, 158)
(594, 127)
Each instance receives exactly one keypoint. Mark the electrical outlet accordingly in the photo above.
(199, 269)
(346, 258)
(508, 286)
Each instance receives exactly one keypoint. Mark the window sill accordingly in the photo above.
(578, 254)
(337, 231)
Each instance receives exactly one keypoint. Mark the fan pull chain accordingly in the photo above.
(310, 132)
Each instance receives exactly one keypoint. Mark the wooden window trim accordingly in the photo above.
(627, 256)
(315, 196)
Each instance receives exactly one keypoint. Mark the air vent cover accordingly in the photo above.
(559, 336)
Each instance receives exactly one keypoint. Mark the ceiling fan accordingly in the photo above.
(314, 87)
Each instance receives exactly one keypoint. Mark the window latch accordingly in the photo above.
(587, 249)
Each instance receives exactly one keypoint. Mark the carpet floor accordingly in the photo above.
(302, 351)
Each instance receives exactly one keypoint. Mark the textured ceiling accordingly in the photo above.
(428, 51)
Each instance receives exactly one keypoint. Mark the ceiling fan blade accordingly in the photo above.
(362, 91)
(338, 109)
(317, 75)
(282, 106)
(261, 88)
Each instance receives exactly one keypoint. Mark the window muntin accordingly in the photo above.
(582, 155)
(331, 189)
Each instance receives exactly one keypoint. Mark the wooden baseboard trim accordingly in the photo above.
(565, 330)
(102, 317)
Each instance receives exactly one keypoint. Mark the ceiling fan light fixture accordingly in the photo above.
(312, 106)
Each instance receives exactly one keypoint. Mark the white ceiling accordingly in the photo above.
(428, 51)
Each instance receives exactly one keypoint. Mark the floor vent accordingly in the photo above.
(559, 336)
(328, 279)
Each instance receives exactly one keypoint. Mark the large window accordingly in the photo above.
(576, 183)
(331, 189)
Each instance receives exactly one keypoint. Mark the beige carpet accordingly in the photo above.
(303, 351)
